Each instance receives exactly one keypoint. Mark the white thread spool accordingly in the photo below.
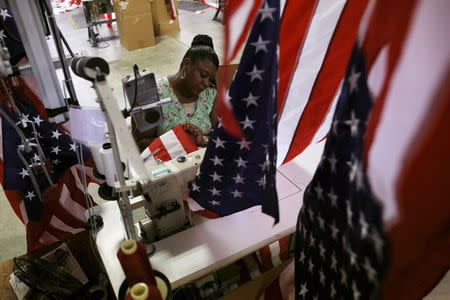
(109, 168)
(95, 151)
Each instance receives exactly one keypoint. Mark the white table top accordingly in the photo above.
(199, 250)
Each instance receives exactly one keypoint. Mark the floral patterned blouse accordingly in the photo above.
(175, 113)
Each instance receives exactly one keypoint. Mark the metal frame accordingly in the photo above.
(29, 24)
(92, 21)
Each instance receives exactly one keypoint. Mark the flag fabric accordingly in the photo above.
(340, 247)
(238, 173)
(316, 39)
(312, 66)
(406, 146)
(176, 142)
(374, 222)
(263, 260)
(52, 212)
(239, 18)
(55, 211)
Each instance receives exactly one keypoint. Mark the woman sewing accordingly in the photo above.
(192, 95)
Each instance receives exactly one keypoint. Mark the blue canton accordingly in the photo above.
(340, 244)
(237, 174)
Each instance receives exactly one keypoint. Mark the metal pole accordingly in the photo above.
(59, 48)
(66, 44)
(29, 25)
(124, 201)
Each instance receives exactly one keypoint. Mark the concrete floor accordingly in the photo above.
(163, 58)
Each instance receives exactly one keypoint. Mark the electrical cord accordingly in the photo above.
(126, 113)
(136, 74)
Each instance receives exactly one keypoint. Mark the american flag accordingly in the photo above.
(341, 249)
(238, 173)
(406, 58)
(316, 39)
(58, 210)
(381, 160)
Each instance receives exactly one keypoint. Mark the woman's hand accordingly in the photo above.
(195, 132)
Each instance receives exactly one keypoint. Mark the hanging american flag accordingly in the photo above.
(316, 39)
(340, 242)
(238, 173)
(382, 158)
(53, 212)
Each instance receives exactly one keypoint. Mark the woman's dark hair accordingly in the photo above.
(202, 47)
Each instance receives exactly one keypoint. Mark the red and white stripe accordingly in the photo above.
(312, 66)
(409, 100)
(407, 145)
(170, 145)
(263, 260)
(236, 34)
(62, 217)
(47, 238)
(70, 206)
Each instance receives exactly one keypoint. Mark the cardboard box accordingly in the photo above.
(135, 23)
(162, 23)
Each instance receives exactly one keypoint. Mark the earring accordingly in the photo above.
(183, 74)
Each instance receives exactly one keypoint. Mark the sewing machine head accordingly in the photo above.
(164, 205)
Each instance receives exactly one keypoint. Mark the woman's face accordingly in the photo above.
(199, 75)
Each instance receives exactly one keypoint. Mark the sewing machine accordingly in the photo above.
(165, 208)
(212, 244)
(162, 185)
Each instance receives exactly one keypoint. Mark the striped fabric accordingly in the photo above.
(405, 146)
(312, 66)
(170, 145)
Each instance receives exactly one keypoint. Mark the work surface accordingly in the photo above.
(195, 252)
